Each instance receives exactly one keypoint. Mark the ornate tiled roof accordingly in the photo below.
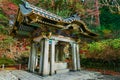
(33, 20)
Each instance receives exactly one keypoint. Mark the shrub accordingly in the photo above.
(102, 55)
(6, 61)
(105, 50)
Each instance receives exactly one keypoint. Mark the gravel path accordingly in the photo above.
(81, 75)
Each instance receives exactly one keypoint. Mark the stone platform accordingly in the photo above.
(24, 75)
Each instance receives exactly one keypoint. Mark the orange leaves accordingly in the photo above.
(9, 8)
(12, 48)
(2, 37)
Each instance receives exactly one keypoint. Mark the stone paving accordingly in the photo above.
(6, 75)
(81, 75)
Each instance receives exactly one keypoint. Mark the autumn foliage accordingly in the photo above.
(11, 48)
(8, 8)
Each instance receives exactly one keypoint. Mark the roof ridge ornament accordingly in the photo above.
(27, 4)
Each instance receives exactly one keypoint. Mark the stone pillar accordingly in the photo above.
(41, 57)
(52, 58)
(36, 63)
(74, 56)
(60, 53)
(56, 54)
(45, 57)
(44, 66)
(32, 58)
(29, 61)
(78, 57)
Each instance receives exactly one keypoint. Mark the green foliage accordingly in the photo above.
(5, 43)
(101, 64)
(104, 54)
(3, 30)
(110, 21)
(23, 59)
(96, 46)
(1, 27)
(107, 17)
(62, 8)
(115, 44)
(63, 13)
(6, 61)
(80, 9)
(102, 45)
(16, 1)
(4, 24)
(2, 17)
(8, 40)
